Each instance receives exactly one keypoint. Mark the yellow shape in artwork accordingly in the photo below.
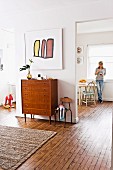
(36, 48)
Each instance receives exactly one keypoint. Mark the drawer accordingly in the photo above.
(26, 83)
(36, 106)
(45, 102)
(40, 98)
(26, 88)
(40, 90)
(40, 83)
(43, 112)
(26, 111)
(35, 89)
(43, 83)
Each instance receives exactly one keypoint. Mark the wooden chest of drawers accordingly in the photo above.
(39, 97)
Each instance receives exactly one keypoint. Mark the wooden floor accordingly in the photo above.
(86, 145)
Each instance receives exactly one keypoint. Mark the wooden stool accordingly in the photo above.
(63, 101)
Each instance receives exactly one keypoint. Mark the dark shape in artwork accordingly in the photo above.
(49, 48)
(36, 48)
(43, 48)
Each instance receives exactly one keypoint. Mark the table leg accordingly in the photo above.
(65, 118)
(55, 118)
(79, 96)
(71, 116)
(50, 120)
(59, 114)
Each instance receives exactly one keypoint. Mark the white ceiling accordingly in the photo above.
(19, 6)
(95, 26)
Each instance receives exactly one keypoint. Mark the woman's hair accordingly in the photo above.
(100, 63)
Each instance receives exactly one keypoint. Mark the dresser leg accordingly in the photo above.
(50, 120)
(31, 116)
(71, 116)
(55, 118)
(65, 118)
(25, 117)
(59, 114)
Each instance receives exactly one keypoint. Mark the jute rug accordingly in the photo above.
(18, 144)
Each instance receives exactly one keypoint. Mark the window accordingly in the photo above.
(98, 53)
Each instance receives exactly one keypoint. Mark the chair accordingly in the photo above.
(89, 95)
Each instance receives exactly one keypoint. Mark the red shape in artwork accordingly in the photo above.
(43, 48)
(49, 48)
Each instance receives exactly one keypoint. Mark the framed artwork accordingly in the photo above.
(80, 60)
(44, 47)
(80, 50)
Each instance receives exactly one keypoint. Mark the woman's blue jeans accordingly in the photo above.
(100, 86)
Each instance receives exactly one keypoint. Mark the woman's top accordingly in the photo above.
(101, 74)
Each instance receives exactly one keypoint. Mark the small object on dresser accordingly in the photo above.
(39, 77)
(29, 76)
(45, 77)
(27, 66)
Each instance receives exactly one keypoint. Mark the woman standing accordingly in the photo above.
(100, 73)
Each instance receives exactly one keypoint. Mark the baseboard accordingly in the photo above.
(104, 99)
(108, 99)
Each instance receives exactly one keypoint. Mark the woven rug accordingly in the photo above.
(18, 144)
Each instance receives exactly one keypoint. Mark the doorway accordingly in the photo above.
(7, 65)
(94, 43)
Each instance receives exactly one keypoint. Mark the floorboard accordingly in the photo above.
(82, 146)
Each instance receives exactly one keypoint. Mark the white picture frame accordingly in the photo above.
(44, 47)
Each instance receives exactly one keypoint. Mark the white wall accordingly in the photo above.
(90, 39)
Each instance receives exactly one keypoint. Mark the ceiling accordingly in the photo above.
(19, 6)
(95, 26)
